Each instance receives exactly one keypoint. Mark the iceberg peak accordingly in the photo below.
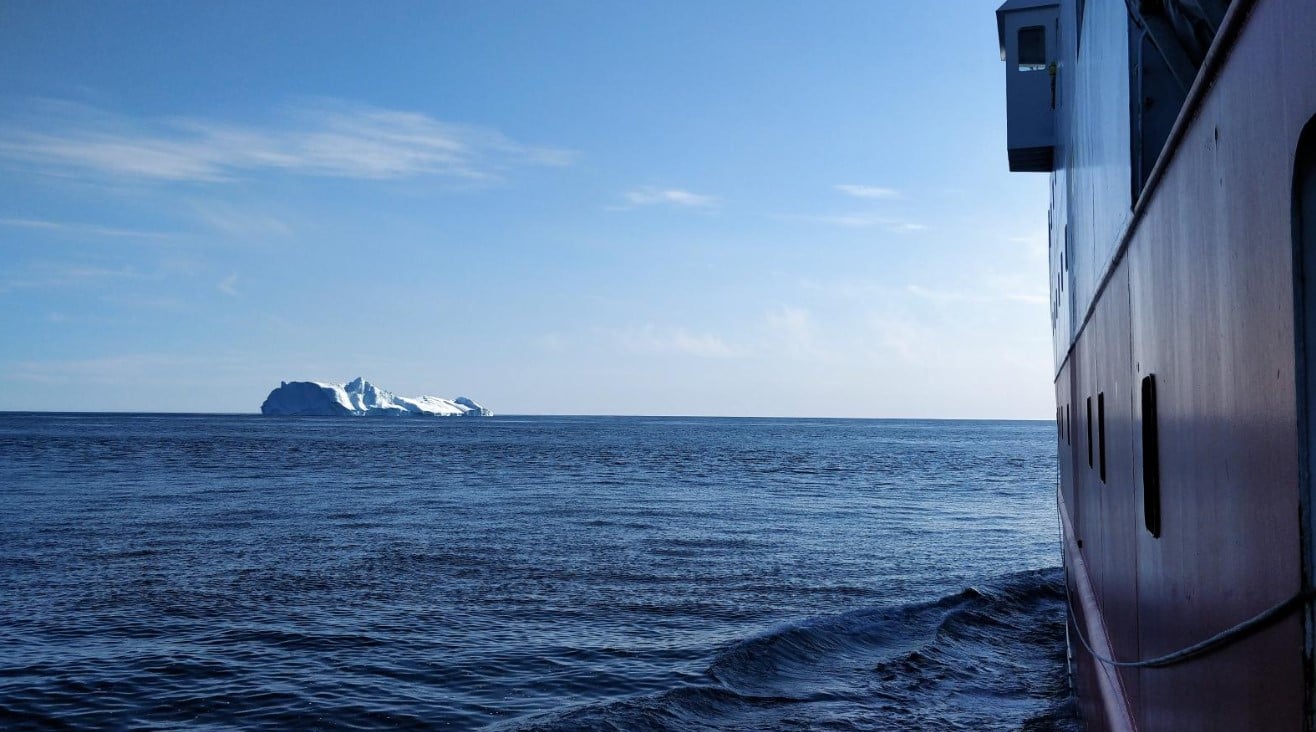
(359, 397)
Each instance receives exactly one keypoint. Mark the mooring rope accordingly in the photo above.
(1220, 640)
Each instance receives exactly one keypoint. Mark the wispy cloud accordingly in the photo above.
(239, 223)
(666, 197)
(323, 138)
(866, 221)
(792, 332)
(863, 220)
(858, 191)
(77, 229)
(958, 296)
(229, 285)
(1035, 243)
(43, 275)
(121, 369)
(907, 339)
(653, 339)
(927, 293)
(550, 342)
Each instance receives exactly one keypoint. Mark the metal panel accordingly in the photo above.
(1211, 292)
(1110, 547)
(1093, 144)
(1062, 290)
(1068, 439)
(1104, 513)
(1104, 700)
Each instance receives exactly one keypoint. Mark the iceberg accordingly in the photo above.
(360, 398)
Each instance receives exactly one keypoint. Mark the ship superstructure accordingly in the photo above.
(1180, 140)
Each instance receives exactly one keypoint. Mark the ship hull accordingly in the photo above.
(1198, 292)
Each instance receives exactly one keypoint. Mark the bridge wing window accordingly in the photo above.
(1032, 48)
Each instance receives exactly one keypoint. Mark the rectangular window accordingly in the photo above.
(1151, 459)
(1032, 48)
(1089, 432)
(1101, 432)
(1082, 5)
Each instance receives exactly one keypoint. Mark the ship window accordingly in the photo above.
(1101, 432)
(1089, 432)
(1151, 459)
(1032, 48)
(1304, 256)
(1082, 6)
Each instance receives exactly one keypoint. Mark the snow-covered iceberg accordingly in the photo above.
(360, 398)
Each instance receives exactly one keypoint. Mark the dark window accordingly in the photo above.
(1032, 48)
(1082, 5)
(1069, 425)
(1304, 255)
(1151, 458)
(1101, 432)
(1089, 432)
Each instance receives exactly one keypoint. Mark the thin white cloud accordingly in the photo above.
(859, 191)
(853, 221)
(65, 227)
(666, 197)
(907, 339)
(324, 138)
(121, 369)
(862, 220)
(1035, 243)
(229, 285)
(792, 332)
(846, 289)
(44, 275)
(239, 223)
(927, 293)
(550, 342)
(958, 296)
(652, 339)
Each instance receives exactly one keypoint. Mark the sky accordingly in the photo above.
(722, 208)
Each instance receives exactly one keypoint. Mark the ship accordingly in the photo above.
(1180, 140)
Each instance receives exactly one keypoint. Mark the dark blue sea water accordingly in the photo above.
(233, 572)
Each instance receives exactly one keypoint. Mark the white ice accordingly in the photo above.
(361, 398)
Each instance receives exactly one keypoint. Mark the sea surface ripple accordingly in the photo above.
(536, 573)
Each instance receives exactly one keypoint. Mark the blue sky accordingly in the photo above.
(729, 208)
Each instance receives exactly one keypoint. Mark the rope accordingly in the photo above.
(1224, 638)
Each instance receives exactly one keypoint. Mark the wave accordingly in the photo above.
(990, 657)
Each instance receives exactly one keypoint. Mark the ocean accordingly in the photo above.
(529, 573)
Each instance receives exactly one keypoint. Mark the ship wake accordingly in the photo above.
(991, 657)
